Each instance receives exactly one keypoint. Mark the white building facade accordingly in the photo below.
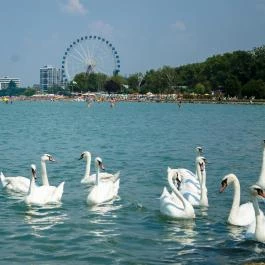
(50, 77)
(4, 82)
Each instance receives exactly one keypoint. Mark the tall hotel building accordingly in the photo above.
(4, 82)
(50, 77)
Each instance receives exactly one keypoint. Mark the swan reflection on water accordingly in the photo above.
(106, 209)
(181, 231)
(44, 218)
(236, 232)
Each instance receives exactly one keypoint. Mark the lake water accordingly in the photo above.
(141, 140)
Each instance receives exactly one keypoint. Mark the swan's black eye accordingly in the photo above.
(259, 191)
(224, 183)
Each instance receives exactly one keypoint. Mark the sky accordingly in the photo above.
(148, 34)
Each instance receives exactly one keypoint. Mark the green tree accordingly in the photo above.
(200, 89)
(12, 85)
(30, 92)
(254, 88)
(259, 63)
(232, 86)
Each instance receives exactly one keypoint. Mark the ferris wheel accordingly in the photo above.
(90, 54)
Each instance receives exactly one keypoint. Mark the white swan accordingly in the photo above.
(17, 184)
(261, 180)
(21, 184)
(256, 231)
(240, 215)
(175, 205)
(103, 190)
(188, 187)
(91, 179)
(45, 182)
(44, 194)
(190, 181)
(44, 158)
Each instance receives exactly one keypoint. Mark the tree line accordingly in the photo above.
(235, 74)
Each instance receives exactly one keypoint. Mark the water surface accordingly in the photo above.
(141, 140)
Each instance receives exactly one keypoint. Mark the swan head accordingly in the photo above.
(33, 171)
(199, 150)
(85, 154)
(257, 191)
(98, 163)
(227, 180)
(175, 175)
(47, 157)
(200, 161)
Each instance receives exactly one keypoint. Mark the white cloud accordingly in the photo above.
(101, 28)
(179, 25)
(74, 7)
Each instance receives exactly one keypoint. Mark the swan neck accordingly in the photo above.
(176, 191)
(44, 176)
(204, 197)
(198, 172)
(236, 198)
(97, 175)
(88, 163)
(261, 180)
(32, 185)
(256, 207)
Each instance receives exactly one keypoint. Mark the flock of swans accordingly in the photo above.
(102, 186)
(188, 190)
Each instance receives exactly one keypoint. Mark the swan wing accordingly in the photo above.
(103, 192)
(16, 184)
(45, 195)
(192, 197)
(58, 192)
(89, 180)
(244, 216)
(171, 205)
(250, 233)
(108, 176)
(187, 174)
(189, 182)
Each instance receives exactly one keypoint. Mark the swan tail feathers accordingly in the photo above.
(3, 179)
(59, 191)
(117, 176)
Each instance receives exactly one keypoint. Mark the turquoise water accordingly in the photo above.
(141, 140)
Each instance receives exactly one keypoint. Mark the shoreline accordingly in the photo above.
(122, 98)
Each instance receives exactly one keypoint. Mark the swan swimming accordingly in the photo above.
(17, 184)
(240, 215)
(188, 187)
(41, 195)
(104, 189)
(44, 177)
(21, 184)
(256, 231)
(190, 181)
(91, 179)
(175, 205)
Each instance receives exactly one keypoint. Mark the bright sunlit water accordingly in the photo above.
(141, 140)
